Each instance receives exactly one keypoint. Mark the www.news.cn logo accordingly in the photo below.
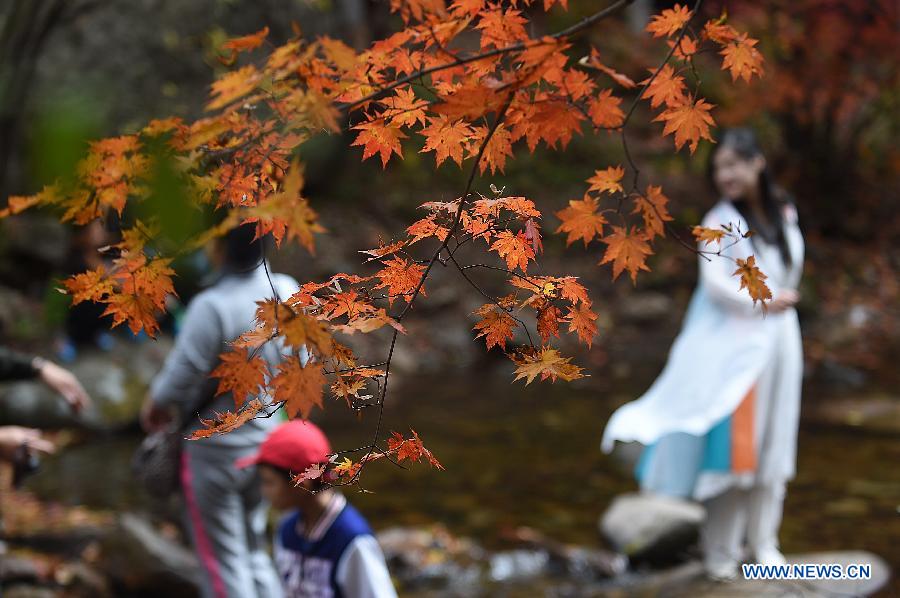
(808, 571)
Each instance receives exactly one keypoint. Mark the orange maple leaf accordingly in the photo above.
(548, 316)
(447, 139)
(240, 374)
(604, 110)
(233, 85)
(627, 250)
(581, 220)
(400, 277)
(411, 449)
(93, 285)
(514, 248)
(708, 235)
(582, 322)
(689, 121)
(223, 423)
(718, 31)
(243, 44)
(138, 311)
(379, 138)
(653, 206)
(607, 180)
(669, 22)
(287, 213)
(547, 363)
(666, 88)
(495, 326)
(742, 58)
(752, 279)
(299, 386)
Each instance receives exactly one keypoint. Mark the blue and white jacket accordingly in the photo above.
(338, 558)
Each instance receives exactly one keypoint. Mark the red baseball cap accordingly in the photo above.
(294, 446)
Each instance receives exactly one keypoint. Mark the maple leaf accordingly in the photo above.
(447, 139)
(138, 311)
(368, 322)
(313, 472)
(501, 28)
(548, 320)
(497, 150)
(299, 329)
(401, 278)
(581, 220)
(689, 121)
(379, 138)
(593, 61)
(233, 85)
(604, 110)
(16, 204)
(665, 88)
(686, 48)
(627, 250)
(581, 322)
(533, 234)
(719, 32)
(223, 423)
(411, 449)
(752, 279)
(404, 108)
(348, 303)
(495, 326)
(92, 285)
(571, 290)
(240, 374)
(244, 44)
(426, 227)
(514, 248)
(384, 250)
(669, 22)
(708, 235)
(287, 213)
(347, 468)
(607, 180)
(653, 207)
(742, 58)
(299, 386)
(547, 363)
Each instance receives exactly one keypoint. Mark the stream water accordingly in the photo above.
(530, 456)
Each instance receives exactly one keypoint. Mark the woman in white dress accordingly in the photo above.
(720, 423)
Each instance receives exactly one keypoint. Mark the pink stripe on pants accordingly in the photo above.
(201, 541)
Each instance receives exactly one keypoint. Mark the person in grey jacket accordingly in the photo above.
(225, 511)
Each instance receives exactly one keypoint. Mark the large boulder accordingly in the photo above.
(651, 528)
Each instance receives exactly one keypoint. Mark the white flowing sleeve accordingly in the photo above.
(362, 572)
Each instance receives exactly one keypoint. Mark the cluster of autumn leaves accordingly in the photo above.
(466, 78)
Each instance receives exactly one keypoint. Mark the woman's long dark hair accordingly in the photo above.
(744, 143)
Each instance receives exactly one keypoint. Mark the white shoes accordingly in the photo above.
(722, 569)
(770, 556)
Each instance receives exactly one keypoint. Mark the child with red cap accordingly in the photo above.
(323, 548)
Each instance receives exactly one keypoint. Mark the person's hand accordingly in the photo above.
(65, 383)
(154, 417)
(785, 299)
(12, 437)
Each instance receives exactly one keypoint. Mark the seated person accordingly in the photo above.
(323, 546)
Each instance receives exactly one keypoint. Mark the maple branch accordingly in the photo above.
(444, 244)
(493, 300)
(637, 98)
(517, 47)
